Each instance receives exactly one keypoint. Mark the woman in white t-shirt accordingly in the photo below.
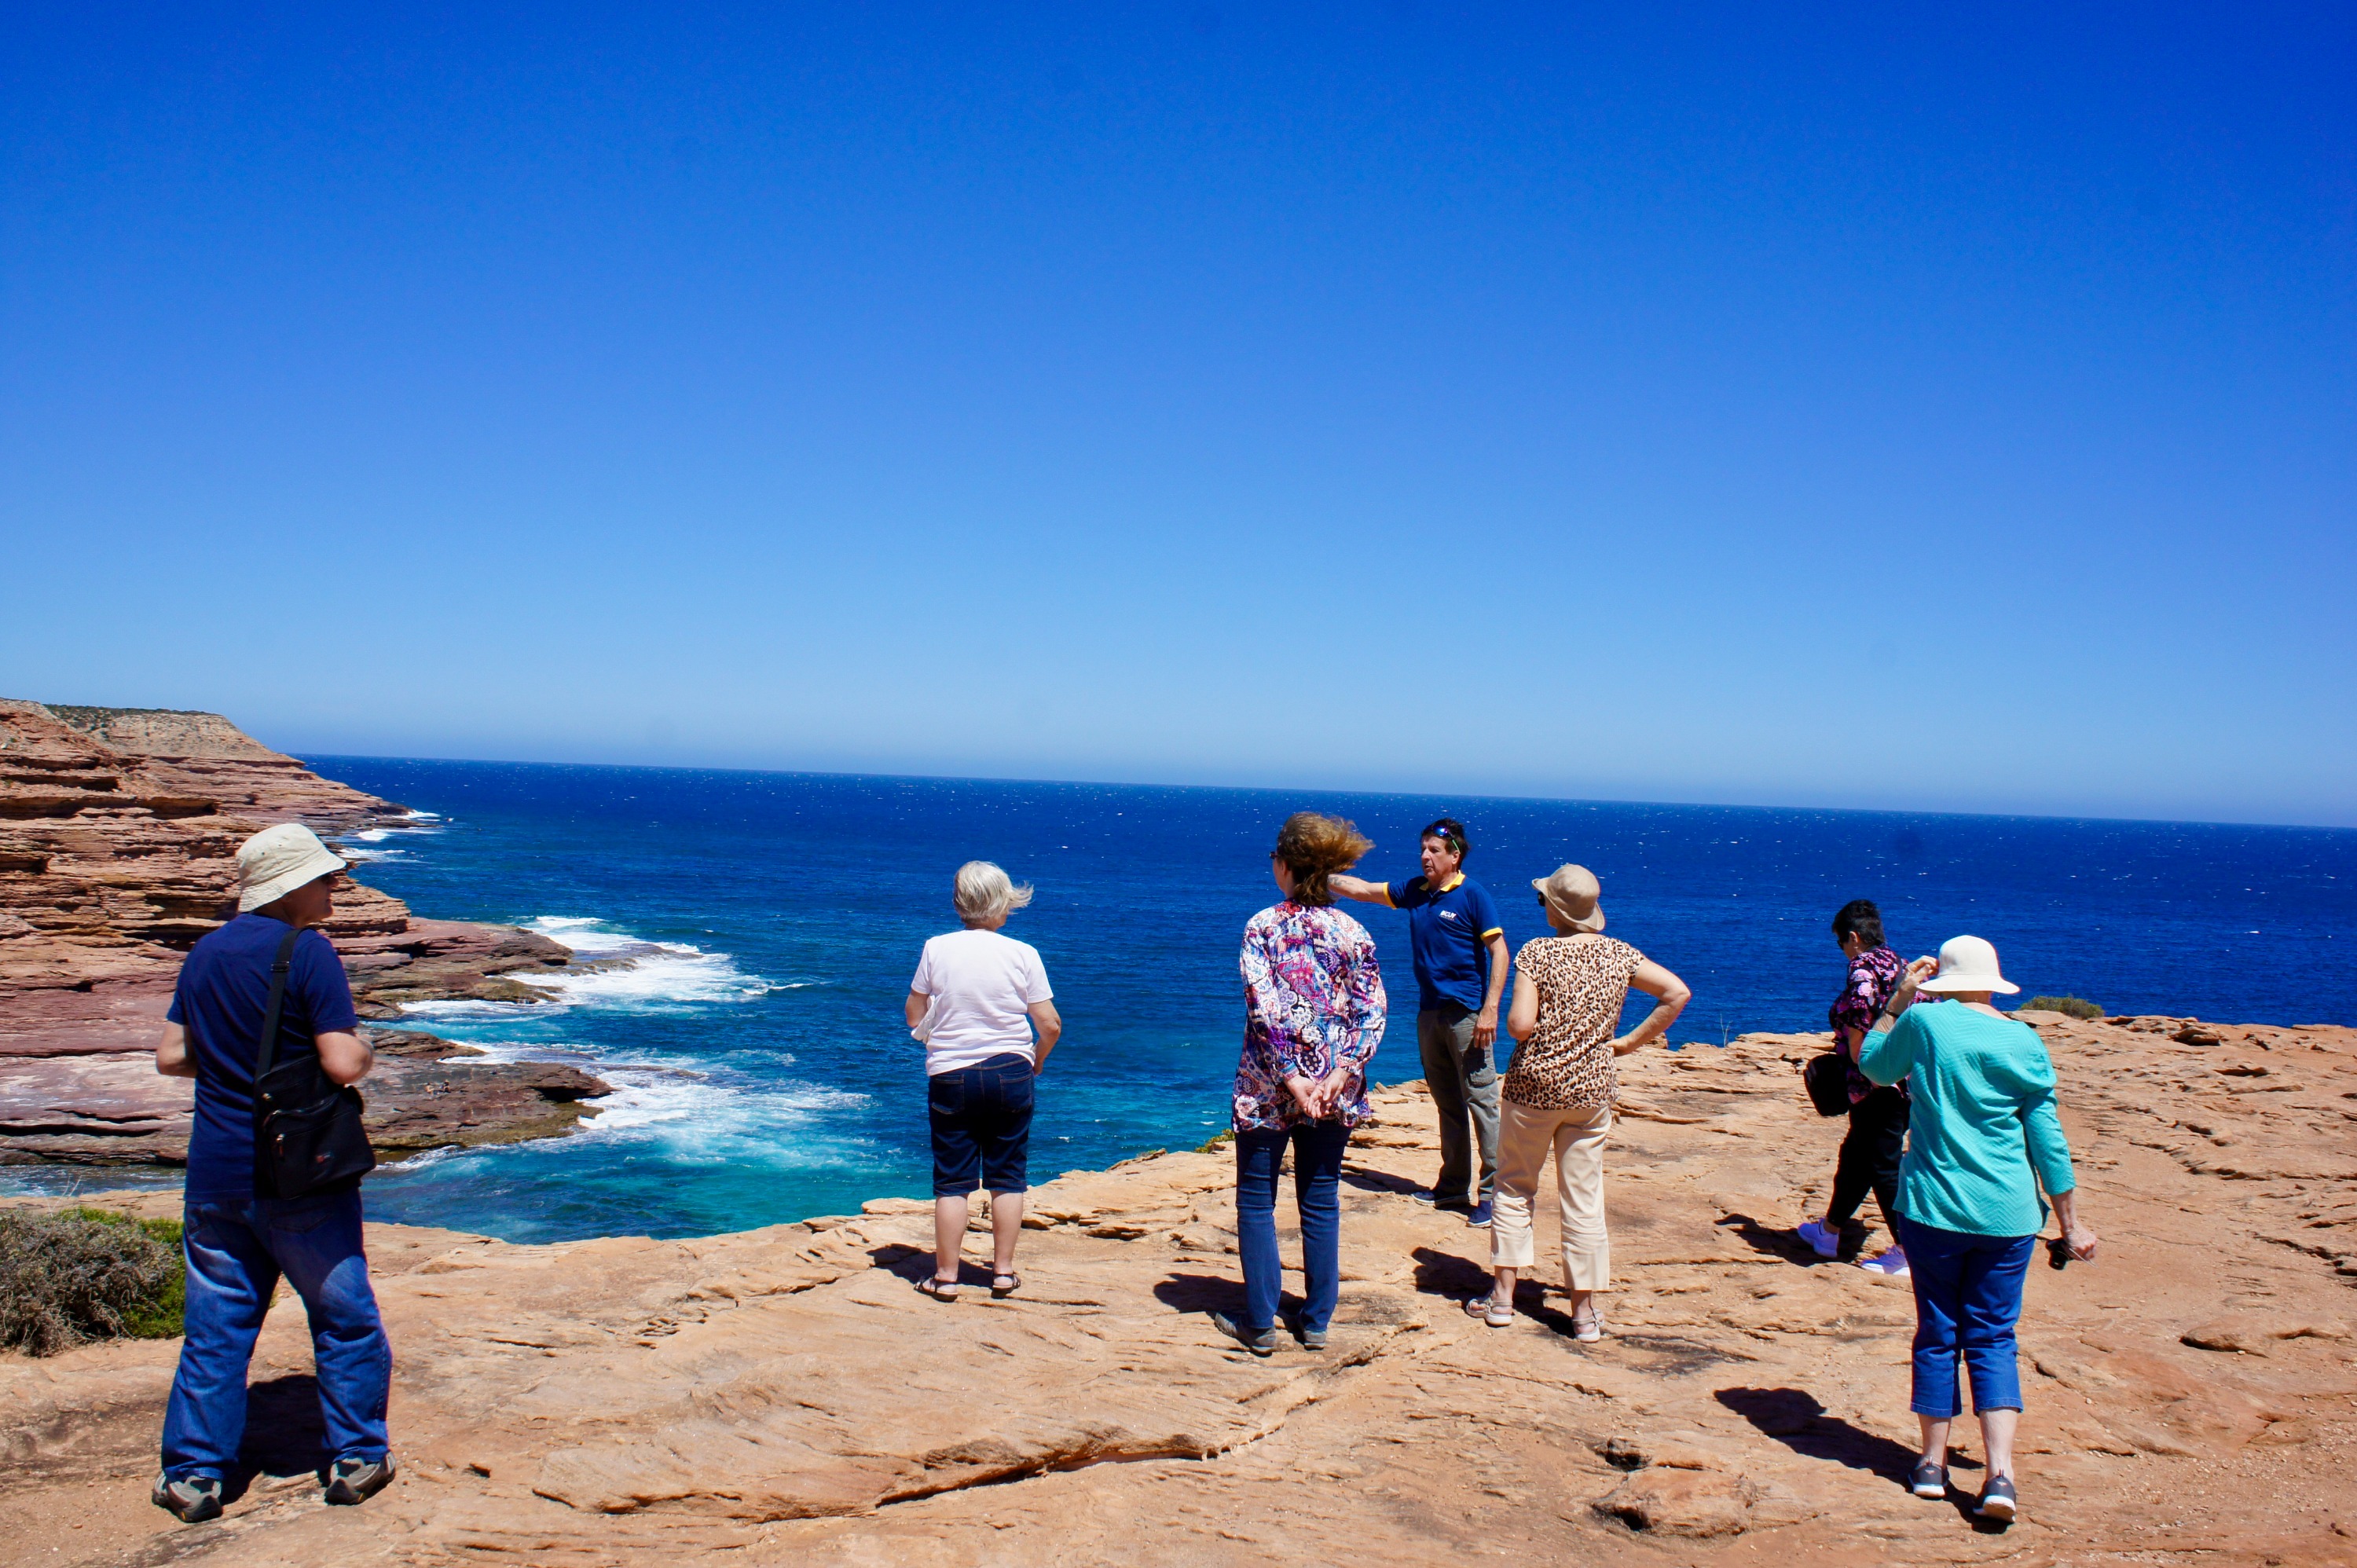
(981, 1004)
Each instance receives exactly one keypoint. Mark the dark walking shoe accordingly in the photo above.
(1311, 1338)
(353, 1481)
(192, 1500)
(1479, 1215)
(1259, 1341)
(1929, 1480)
(1998, 1501)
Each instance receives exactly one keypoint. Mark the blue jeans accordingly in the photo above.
(236, 1252)
(1317, 1176)
(1967, 1301)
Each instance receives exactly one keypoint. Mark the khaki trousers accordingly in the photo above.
(1525, 1133)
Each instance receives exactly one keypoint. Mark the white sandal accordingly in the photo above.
(1490, 1311)
(1589, 1328)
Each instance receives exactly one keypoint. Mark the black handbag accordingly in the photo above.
(1827, 1077)
(308, 1134)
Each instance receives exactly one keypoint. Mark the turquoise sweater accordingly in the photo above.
(1983, 1122)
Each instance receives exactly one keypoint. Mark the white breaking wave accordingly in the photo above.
(634, 972)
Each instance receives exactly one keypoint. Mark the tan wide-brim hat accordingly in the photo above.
(276, 861)
(1968, 963)
(1572, 892)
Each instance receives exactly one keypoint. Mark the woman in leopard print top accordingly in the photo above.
(1568, 990)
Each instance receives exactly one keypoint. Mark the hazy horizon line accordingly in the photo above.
(1329, 789)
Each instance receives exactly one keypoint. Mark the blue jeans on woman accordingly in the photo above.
(1967, 1303)
(1317, 1177)
(236, 1252)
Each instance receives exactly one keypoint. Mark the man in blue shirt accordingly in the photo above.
(238, 1242)
(1459, 947)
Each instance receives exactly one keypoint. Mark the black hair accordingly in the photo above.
(1450, 832)
(1859, 919)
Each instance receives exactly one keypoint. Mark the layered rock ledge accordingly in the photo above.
(785, 1396)
(118, 833)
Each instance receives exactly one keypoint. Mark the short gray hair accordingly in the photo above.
(983, 893)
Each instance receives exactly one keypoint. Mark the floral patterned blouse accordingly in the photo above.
(1874, 976)
(1313, 1001)
(1567, 1061)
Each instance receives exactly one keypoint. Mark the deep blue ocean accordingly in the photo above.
(764, 1074)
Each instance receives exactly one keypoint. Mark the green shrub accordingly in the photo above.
(2072, 1006)
(1219, 1141)
(87, 1274)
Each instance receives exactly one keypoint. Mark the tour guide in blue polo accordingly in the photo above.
(1460, 946)
(238, 1243)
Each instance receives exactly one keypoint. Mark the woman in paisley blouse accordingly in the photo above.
(1568, 990)
(1313, 1017)
(1877, 1138)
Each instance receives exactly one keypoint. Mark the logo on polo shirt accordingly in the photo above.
(1446, 914)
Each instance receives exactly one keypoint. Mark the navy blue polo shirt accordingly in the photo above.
(224, 991)
(1449, 931)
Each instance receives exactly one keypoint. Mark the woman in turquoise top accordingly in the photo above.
(1983, 1139)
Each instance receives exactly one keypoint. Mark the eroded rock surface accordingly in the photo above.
(785, 1396)
(119, 830)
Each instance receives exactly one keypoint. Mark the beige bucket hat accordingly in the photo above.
(276, 861)
(1968, 963)
(1571, 892)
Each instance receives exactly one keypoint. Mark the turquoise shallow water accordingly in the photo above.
(763, 1074)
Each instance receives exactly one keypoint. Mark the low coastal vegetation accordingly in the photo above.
(2068, 1006)
(87, 1274)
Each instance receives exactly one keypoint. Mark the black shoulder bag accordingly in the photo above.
(1827, 1077)
(309, 1139)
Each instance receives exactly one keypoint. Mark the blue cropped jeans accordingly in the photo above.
(1317, 1177)
(236, 1252)
(1967, 1303)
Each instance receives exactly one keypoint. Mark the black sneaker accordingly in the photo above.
(1259, 1341)
(1425, 1196)
(353, 1481)
(1929, 1480)
(191, 1500)
(1998, 1501)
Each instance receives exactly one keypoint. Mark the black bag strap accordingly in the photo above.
(278, 970)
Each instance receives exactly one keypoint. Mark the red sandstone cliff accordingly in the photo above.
(119, 830)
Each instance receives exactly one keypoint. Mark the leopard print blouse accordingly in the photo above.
(1567, 1061)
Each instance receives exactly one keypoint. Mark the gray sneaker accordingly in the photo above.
(1998, 1501)
(354, 1481)
(1259, 1341)
(192, 1500)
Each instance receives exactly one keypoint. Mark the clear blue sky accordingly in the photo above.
(1799, 404)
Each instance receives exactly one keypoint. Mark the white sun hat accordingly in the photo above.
(276, 861)
(1968, 963)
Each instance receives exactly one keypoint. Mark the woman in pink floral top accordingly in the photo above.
(1313, 1017)
(1871, 1149)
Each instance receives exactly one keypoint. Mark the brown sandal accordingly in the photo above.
(939, 1288)
(1004, 1285)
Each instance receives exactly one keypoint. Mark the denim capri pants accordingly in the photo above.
(982, 1126)
(1967, 1304)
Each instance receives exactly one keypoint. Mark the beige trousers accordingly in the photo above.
(1525, 1133)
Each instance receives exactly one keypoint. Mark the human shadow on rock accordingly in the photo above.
(1209, 1293)
(1798, 1420)
(1445, 1273)
(1367, 1180)
(285, 1434)
(1771, 1240)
